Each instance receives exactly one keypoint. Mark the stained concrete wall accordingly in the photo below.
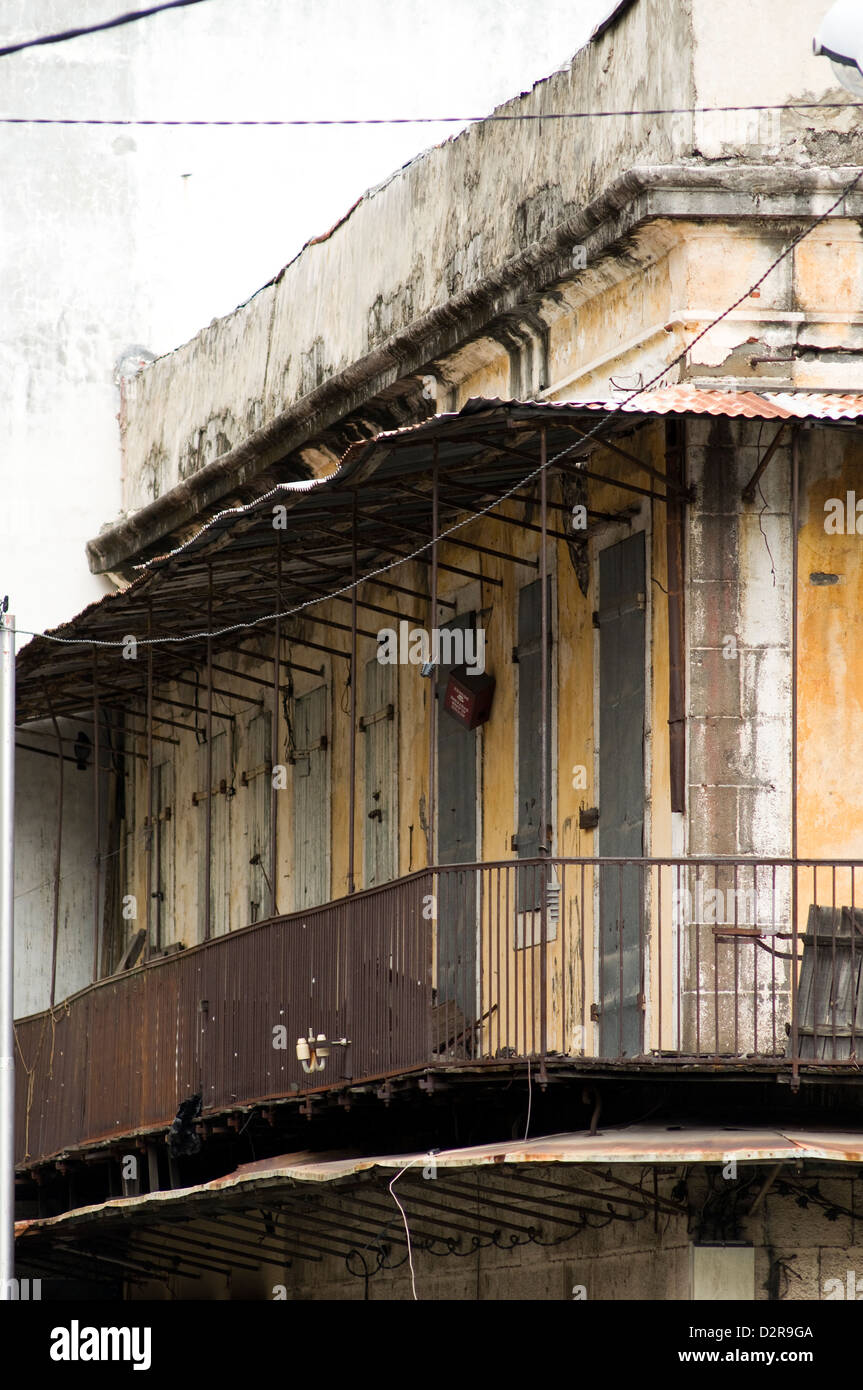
(739, 614)
(37, 793)
(739, 596)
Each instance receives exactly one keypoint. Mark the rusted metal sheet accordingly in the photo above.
(480, 444)
(120, 1056)
(681, 399)
(635, 1144)
(751, 405)
(732, 983)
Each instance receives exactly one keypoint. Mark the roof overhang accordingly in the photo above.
(488, 449)
(634, 1144)
(304, 1206)
(273, 1182)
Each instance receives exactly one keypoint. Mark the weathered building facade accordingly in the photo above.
(481, 705)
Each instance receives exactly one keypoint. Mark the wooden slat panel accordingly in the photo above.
(258, 803)
(530, 833)
(380, 818)
(311, 778)
(830, 993)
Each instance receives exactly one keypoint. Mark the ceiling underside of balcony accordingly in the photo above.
(232, 575)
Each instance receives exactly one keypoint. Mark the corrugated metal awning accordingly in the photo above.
(489, 449)
(636, 1144)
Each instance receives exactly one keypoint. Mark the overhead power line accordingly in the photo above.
(494, 117)
(116, 23)
(592, 434)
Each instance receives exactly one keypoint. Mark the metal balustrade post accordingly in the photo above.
(544, 845)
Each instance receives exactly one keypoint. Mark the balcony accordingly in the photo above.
(647, 963)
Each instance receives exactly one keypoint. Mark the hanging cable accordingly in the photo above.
(116, 23)
(419, 1158)
(493, 118)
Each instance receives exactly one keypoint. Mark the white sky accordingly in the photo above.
(250, 198)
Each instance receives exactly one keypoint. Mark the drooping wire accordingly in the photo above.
(419, 1158)
(64, 35)
(493, 117)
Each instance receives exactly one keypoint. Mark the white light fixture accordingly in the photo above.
(840, 39)
(312, 1052)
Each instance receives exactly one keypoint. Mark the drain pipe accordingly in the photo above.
(7, 1038)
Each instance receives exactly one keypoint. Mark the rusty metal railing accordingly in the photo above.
(119, 1056)
(736, 962)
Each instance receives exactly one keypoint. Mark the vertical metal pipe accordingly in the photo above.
(659, 949)
(795, 517)
(148, 839)
(795, 521)
(352, 792)
(58, 855)
(544, 845)
(274, 733)
(7, 1037)
(433, 679)
(97, 816)
(208, 836)
(675, 530)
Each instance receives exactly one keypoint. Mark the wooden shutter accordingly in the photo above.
(258, 804)
(530, 833)
(220, 847)
(830, 998)
(311, 778)
(162, 915)
(456, 775)
(380, 841)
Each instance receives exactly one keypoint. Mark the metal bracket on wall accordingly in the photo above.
(221, 790)
(388, 713)
(298, 754)
(262, 770)
(748, 493)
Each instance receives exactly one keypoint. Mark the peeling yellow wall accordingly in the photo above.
(830, 656)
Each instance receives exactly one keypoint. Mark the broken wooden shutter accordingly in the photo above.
(830, 993)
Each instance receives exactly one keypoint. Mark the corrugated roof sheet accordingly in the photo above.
(388, 457)
(682, 399)
(752, 405)
(637, 1144)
